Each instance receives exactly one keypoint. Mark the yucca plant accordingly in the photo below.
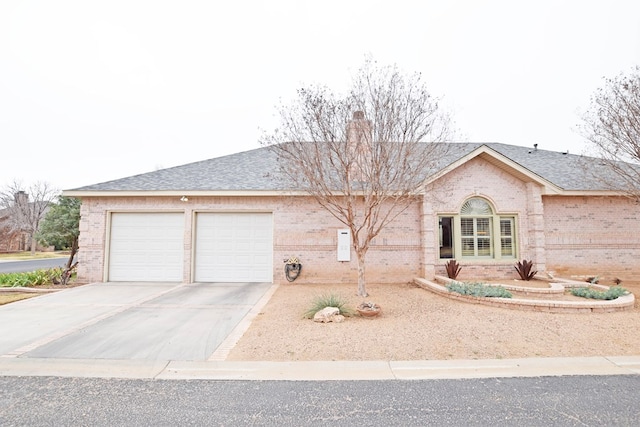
(525, 269)
(453, 269)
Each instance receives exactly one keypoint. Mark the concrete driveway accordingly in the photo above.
(131, 321)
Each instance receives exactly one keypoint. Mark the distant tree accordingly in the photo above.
(363, 156)
(61, 228)
(26, 206)
(612, 126)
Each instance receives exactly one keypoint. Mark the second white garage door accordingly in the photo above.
(234, 247)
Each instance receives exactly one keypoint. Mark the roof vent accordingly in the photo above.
(535, 147)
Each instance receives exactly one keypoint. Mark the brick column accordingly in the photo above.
(429, 238)
(535, 249)
(92, 241)
(188, 245)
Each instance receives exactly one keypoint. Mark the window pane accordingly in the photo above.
(505, 226)
(506, 234)
(506, 246)
(466, 225)
(446, 237)
(484, 247)
(467, 246)
(483, 226)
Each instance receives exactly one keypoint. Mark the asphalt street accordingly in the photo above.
(31, 265)
(121, 354)
(540, 401)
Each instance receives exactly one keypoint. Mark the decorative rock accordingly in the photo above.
(328, 314)
(338, 318)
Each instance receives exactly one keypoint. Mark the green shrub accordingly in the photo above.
(55, 274)
(478, 290)
(30, 278)
(328, 300)
(587, 292)
(9, 280)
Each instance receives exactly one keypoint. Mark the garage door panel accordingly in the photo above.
(146, 247)
(262, 245)
(262, 260)
(244, 260)
(243, 246)
(234, 247)
(222, 260)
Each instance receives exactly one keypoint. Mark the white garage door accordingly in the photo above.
(146, 247)
(234, 247)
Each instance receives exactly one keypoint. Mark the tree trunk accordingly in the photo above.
(362, 287)
(33, 245)
(74, 251)
(68, 271)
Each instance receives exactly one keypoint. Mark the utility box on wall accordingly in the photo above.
(344, 245)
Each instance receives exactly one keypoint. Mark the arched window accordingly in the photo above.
(476, 217)
(476, 206)
(477, 232)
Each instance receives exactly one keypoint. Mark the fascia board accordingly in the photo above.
(81, 193)
(591, 193)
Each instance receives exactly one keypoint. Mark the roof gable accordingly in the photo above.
(497, 159)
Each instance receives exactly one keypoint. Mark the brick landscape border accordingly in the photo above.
(625, 302)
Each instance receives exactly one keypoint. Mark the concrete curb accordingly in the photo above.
(321, 370)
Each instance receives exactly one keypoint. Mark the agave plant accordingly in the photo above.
(453, 269)
(525, 269)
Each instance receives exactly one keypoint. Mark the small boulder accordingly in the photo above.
(328, 314)
(338, 318)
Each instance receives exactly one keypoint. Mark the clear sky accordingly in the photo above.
(97, 90)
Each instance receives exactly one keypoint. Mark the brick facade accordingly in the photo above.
(301, 229)
(598, 236)
(577, 234)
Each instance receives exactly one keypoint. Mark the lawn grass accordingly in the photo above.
(6, 298)
(26, 255)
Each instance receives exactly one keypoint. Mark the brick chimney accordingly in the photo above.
(359, 134)
(21, 198)
(359, 129)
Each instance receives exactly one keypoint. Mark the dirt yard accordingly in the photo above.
(418, 325)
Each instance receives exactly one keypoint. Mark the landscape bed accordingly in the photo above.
(537, 294)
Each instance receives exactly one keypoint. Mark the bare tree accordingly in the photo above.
(26, 206)
(362, 156)
(612, 126)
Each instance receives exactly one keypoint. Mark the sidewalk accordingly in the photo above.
(316, 371)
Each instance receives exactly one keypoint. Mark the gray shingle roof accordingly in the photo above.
(257, 170)
(567, 171)
(249, 170)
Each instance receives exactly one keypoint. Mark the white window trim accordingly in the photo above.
(496, 235)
